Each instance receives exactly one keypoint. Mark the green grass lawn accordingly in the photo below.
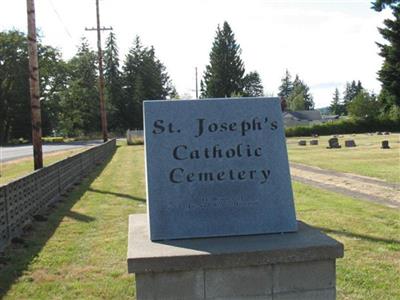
(366, 159)
(12, 170)
(80, 252)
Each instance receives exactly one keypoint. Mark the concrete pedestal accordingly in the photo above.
(297, 265)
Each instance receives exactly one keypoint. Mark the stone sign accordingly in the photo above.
(217, 167)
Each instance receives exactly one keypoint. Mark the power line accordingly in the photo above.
(60, 19)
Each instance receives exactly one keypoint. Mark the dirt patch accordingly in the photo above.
(361, 187)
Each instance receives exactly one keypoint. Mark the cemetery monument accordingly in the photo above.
(220, 219)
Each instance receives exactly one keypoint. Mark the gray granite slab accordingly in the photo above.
(307, 244)
(217, 168)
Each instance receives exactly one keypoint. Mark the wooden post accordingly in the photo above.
(101, 78)
(103, 114)
(34, 87)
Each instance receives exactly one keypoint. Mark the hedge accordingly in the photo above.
(345, 127)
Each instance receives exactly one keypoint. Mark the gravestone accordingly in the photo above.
(349, 143)
(314, 142)
(386, 133)
(333, 143)
(379, 133)
(385, 145)
(217, 168)
(302, 143)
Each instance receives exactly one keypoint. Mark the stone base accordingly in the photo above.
(297, 265)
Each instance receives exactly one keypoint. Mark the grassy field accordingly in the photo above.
(15, 169)
(366, 159)
(80, 252)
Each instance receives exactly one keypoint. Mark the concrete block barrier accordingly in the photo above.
(25, 197)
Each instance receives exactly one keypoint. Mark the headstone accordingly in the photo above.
(349, 143)
(217, 168)
(385, 145)
(386, 133)
(333, 143)
(379, 133)
(314, 142)
(302, 143)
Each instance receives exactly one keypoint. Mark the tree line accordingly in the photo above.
(69, 89)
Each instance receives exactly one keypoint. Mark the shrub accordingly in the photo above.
(53, 139)
(345, 127)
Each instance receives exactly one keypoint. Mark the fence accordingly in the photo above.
(23, 198)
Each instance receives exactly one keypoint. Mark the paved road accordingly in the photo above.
(15, 152)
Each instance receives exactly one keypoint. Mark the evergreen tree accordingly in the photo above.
(252, 86)
(336, 107)
(351, 91)
(144, 78)
(379, 5)
(133, 84)
(286, 86)
(300, 94)
(224, 75)
(80, 102)
(113, 86)
(389, 75)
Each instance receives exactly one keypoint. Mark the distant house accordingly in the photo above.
(303, 117)
(328, 118)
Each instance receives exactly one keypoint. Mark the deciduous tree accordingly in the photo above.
(364, 105)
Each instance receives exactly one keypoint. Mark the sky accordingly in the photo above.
(325, 42)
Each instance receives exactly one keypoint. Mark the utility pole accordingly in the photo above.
(34, 87)
(101, 76)
(197, 88)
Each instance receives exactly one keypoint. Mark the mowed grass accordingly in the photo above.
(366, 159)
(10, 171)
(80, 252)
(370, 233)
